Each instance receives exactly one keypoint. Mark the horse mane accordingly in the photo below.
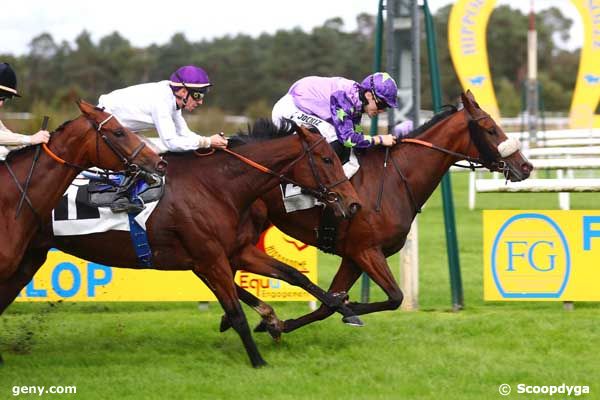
(447, 111)
(263, 129)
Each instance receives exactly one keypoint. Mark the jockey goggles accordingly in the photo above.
(381, 105)
(195, 93)
(4, 98)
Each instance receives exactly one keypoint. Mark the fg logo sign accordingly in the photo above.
(541, 255)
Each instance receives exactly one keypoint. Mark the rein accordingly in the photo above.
(127, 161)
(323, 193)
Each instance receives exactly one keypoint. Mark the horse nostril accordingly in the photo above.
(354, 209)
(526, 168)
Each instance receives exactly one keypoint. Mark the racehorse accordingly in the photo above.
(195, 225)
(92, 139)
(391, 199)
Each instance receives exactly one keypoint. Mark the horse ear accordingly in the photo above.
(85, 107)
(302, 131)
(469, 103)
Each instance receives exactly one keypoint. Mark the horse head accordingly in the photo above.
(324, 169)
(494, 149)
(119, 148)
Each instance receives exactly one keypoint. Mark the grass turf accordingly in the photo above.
(172, 350)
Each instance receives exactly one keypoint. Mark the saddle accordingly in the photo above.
(102, 191)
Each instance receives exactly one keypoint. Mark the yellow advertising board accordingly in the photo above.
(587, 87)
(541, 255)
(68, 278)
(468, 49)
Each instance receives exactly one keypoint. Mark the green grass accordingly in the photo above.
(174, 351)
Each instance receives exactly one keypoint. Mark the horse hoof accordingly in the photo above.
(261, 327)
(225, 324)
(353, 321)
(259, 364)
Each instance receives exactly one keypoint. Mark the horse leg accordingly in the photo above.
(219, 279)
(373, 262)
(253, 260)
(11, 287)
(343, 280)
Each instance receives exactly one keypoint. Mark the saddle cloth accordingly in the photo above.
(75, 215)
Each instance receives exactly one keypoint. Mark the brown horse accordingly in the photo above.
(74, 146)
(391, 198)
(195, 226)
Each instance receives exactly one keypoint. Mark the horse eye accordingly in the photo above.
(327, 160)
(120, 132)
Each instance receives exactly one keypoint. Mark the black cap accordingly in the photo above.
(8, 81)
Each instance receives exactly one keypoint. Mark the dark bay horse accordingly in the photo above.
(195, 225)
(93, 139)
(415, 167)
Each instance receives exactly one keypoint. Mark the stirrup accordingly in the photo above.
(123, 204)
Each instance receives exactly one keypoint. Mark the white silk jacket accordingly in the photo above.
(13, 141)
(152, 106)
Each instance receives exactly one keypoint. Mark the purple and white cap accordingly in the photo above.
(191, 77)
(384, 87)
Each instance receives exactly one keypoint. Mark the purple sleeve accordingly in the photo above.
(348, 133)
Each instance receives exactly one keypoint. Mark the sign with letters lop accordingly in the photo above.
(541, 255)
(68, 278)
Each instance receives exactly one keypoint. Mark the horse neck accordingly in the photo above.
(424, 167)
(51, 179)
(249, 182)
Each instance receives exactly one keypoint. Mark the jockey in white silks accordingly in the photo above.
(159, 105)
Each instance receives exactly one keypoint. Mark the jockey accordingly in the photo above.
(335, 107)
(159, 105)
(14, 141)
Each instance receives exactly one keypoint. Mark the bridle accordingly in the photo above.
(130, 166)
(490, 158)
(322, 193)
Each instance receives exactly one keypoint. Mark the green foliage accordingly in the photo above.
(247, 70)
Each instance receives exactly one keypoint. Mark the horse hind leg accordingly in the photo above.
(253, 260)
(269, 321)
(220, 280)
(343, 280)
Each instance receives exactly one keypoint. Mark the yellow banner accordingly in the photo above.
(587, 88)
(65, 277)
(467, 42)
(541, 255)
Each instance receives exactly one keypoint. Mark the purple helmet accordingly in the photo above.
(190, 77)
(384, 87)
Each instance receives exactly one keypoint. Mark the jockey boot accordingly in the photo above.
(123, 204)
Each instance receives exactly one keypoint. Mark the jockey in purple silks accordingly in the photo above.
(159, 105)
(14, 141)
(335, 107)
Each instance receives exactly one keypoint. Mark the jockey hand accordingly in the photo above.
(404, 128)
(218, 141)
(386, 140)
(40, 137)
